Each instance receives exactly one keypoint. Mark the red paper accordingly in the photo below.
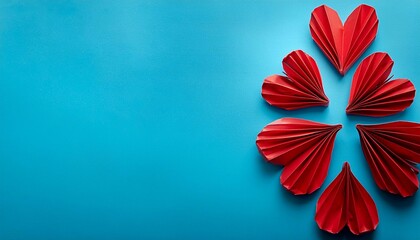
(372, 94)
(301, 88)
(392, 149)
(302, 147)
(343, 45)
(345, 202)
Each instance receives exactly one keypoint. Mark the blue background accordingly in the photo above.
(138, 119)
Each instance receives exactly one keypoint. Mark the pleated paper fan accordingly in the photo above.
(345, 202)
(302, 87)
(304, 149)
(392, 150)
(343, 44)
(372, 94)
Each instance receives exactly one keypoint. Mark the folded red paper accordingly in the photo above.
(343, 45)
(302, 147)
(301, 88)
(392, 150)
(372, 94)
(345, 202)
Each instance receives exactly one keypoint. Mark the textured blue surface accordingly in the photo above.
(137, 119)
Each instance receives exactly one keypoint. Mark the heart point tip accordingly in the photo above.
(346, 165)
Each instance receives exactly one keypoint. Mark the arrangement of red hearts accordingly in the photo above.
(304, 147)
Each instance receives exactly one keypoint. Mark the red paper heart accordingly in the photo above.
(343, 45)
(372, 94)
(301, 88)
(345, 202)
(392, 149)
(302, 147)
